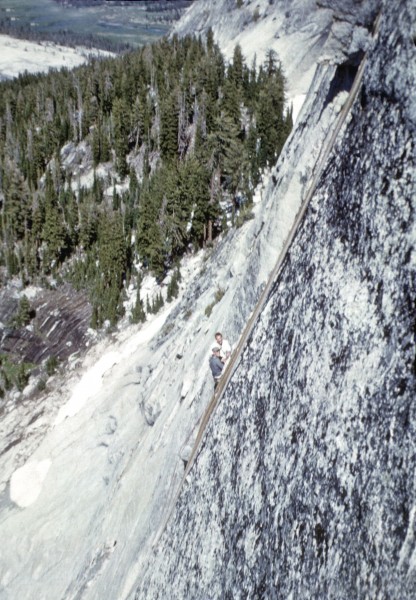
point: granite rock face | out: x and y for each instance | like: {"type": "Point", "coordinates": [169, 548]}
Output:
{"type": "Point", "coordinates": [304, 486]}
{"type": "Point", "coordinates": [302, 32]}
{"type": "Point", "coordinates": [58, 329]}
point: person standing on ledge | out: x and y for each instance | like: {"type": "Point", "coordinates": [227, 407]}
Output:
{"type": "Point", "coordinates": [224, 346]}
{"type": "Point", "coordinates": [216, 365]}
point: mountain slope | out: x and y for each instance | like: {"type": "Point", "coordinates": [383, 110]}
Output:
{"type": "Point", "coordinates": [102, 463]}
{"type": "Point", "coordinates": [302, 32]}
{"type": "Point", "coordinates": [304, 487]}
{"type": "Point", "coordinates": [18, 56]}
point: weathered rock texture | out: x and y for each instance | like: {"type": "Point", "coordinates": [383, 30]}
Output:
{"type": "Point", "coordinates": [302, 32]}
{"type": "Point", "coordinates": [59, 327]}
{"type": "Point", "coordinates": [305, 483]}
{"type": "Point", "coordinates": [303, 488]}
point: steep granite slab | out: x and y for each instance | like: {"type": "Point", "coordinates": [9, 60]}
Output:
{"type": "Point", "coordinates": [304, 485]}
{"type": "Point", "coordinates": [81, 511]}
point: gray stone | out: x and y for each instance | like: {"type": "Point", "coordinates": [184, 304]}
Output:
{"type": "Point", "coordinates": [304, 485]}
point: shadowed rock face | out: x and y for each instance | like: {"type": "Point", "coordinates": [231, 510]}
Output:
{"type": "Point", "coordinates": [59, 328]}
{"type": "Point", "coordinates": [304, 487]}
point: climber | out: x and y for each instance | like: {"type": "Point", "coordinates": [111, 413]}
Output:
{"type": "Point", "coordinates": [224, 345]}
{"type": "Point", "coordinates": [216, 365]}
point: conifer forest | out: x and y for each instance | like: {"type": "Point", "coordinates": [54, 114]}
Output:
{"type": "Point", "coordinates": [185, 138]}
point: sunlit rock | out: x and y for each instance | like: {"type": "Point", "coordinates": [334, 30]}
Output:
{"type": "Point", "coordinates": [304, 484]}
{"type": "Point", "coordinates": [303, 487]}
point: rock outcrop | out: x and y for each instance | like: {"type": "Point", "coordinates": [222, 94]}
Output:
{"type": "Point", "coordinates": [304, 485]}
{"type": "Point", "coordinates": [59, 327]}
{"type": "Point", "coordinates": [302, 32]}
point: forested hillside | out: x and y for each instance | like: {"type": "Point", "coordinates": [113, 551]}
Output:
{"type": "Point", "coordinates": [183, 137]}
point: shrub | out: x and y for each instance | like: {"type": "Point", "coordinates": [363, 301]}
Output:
{"type": "Point", "coordinates": [25, 313]}
{"type": "Point", "coordinates": [22, 376]}
{"type": "Point", "coordinates": [41, 385]}
{"type": "Point", "coordinates": [14, 374]}
{"type": "Point", "coordinates": [244, 216]}
{"type": "Point", "coordinates": [51, 365]}
{"type": "Point", "coordinates": [208, 309]}
{"type": "Point", "coordinates": [219, 293]}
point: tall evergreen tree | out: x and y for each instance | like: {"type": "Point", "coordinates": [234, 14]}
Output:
{"type": "Point", "coordinates": [138, 314]}
{"type": "Point", "coordinates": [270, 115]}
{"type": "Point", "coordinates": [112, 250]}
{"type": "Point", "coordinates": [16, 212]}
{"type": "Point", "coordinates": [121, 134]}
{"type": "Point", "coordinates": [236, 69]}
{"type": "Point", "coordinates": [169, 127]}
{"type": "Point", "coordinates": [149, 239]}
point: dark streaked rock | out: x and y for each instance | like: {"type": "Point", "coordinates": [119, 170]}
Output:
{"type": "Point", "coordinates": [304, 486]}
{"type": "Point", "coordinates": [59, 329]}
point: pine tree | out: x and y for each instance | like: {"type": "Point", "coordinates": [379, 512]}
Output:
{"type": "Point", "coordinates": [116, 199]}
{"type": "Point", "coordinates": [169, 128]}
{"type": "Point", "coordinates": [112, 250]}
{"type": "Point", "coordinates": [12, 262]}
{"type": "Point", "coordinates": [236, 70]}
{"type": "Point", "coordinates": [210, 40]}
{"type": "Point", "coordinates": [173, 286]}
{"type": "Point", "coordinates": [70, 210]}
{"type": "Point", "coordinates": [175, 210]}
{"type": "Point", "coordinates": [157, 303]}
{"type": "Point", "coordinates": [22, 377]}
{"type": "Point", "coordinates": [288, 124]}
{"type": "Point", "coordinates": [54, 236]}
{"type": "Point", "coordinates": [54, 233]}
{"type": "Point", "coordinates": [228, 153]}
{"type": "Point", "coordinates": [97, 189]}
{"type": "Point", "coordinates": [121, 133]}
{"type": "Point", "coordinates": [149, 236]}
{"type": "Point", "coordinates": [231, 101]}
{"type": "Point", "coordinates": [16, 210]}
{"type": "Point", "coordinates": [270, 117]}
{"type": "Point", "coordinates": [96, 144]}
{"type": "Point", "coordinates": [133, 188]}
{"type": "Point", "coordinates": [30, 257]}
{"type": "Point", "coordinates": [252, 156]}
{"type": "Point", "coordinates": [94, 323]}
{"type": "Point", "coordinates": [88, 226]}
{"type": "Point", "coordinates": [25, 312]}
{"type": "Point", "coordinates": [138, 314]}
{"type": "Point", "coordinates": [203, 210]}
{"type": "Point", "coordinates": [161, 302]}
